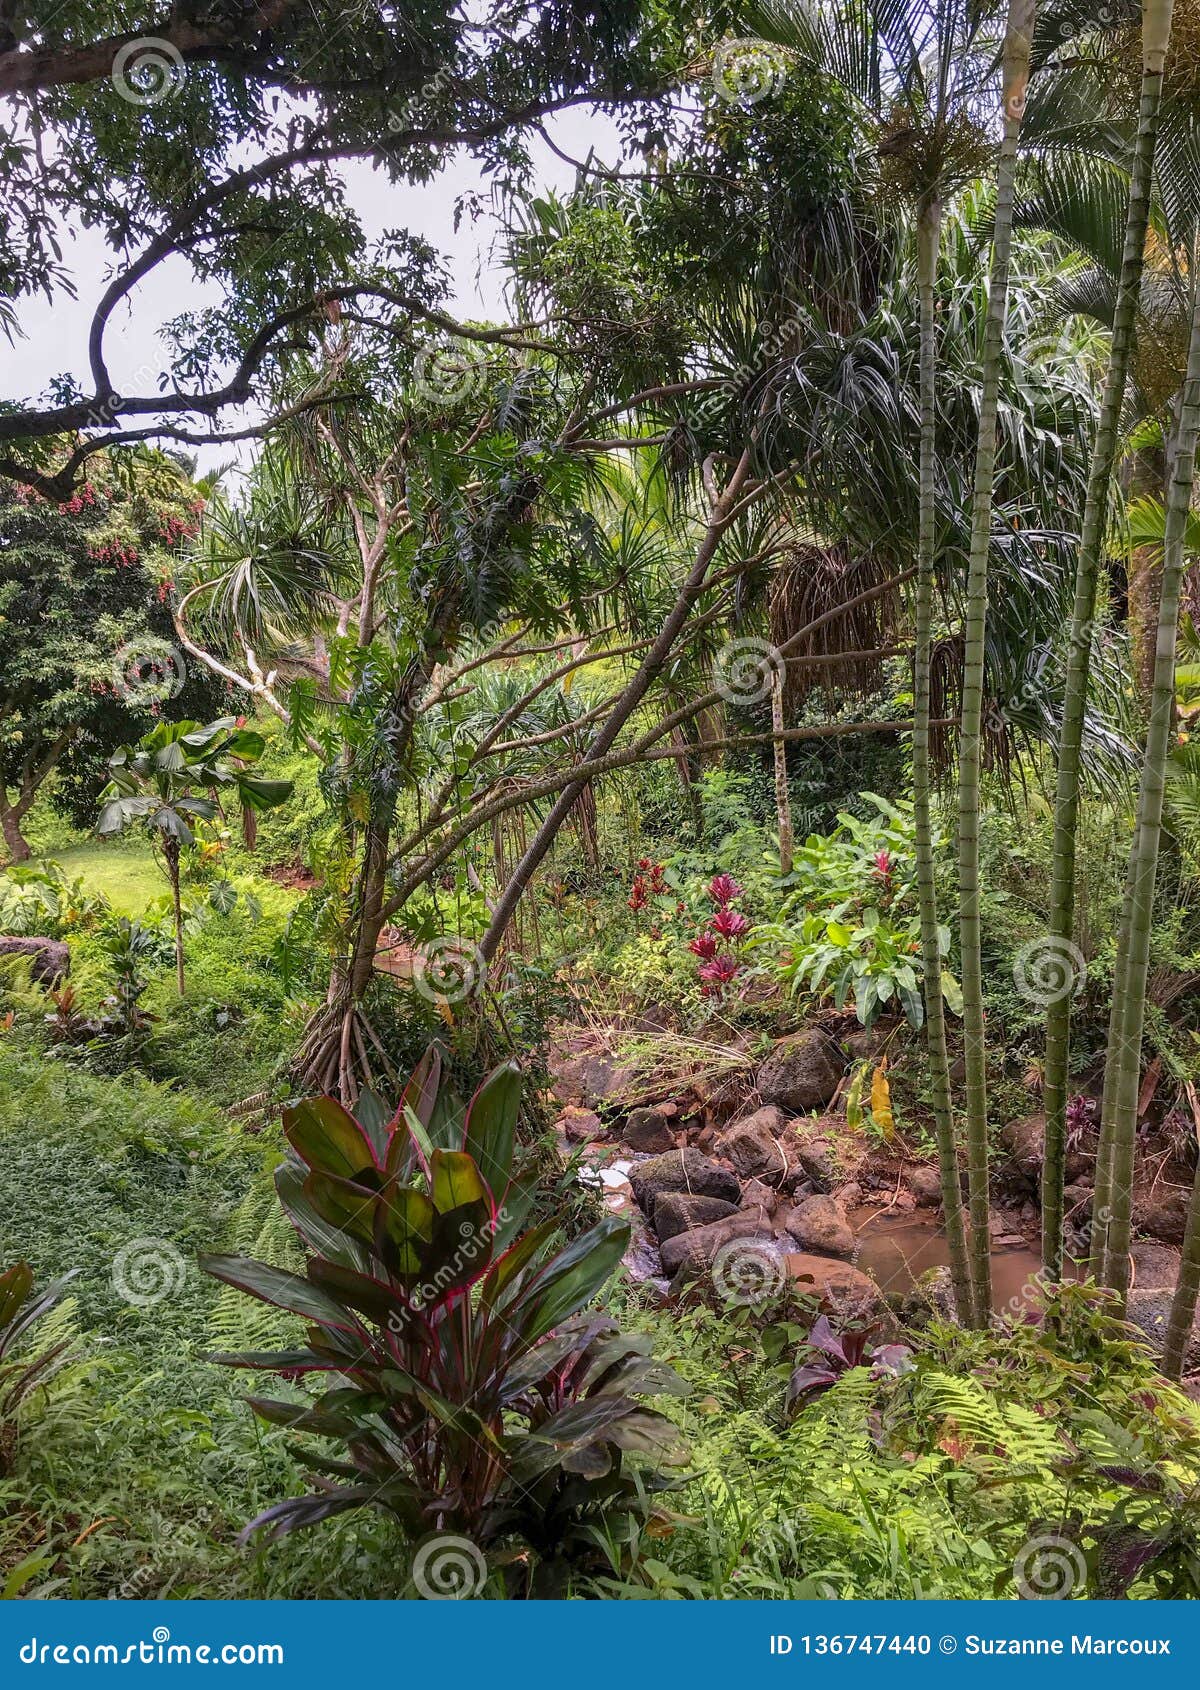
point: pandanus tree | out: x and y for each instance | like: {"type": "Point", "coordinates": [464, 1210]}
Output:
{"type": "Point", "coordinates": [177, 776]}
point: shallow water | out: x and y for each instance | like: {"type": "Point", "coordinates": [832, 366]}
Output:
{"type": "Point", "coordinates": [897, 1249]}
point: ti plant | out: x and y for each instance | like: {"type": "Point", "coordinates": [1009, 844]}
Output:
{"type": "Point", "coordinates": [463, 1387]}
{"type": "Point", "coordinates": [21, 1307]}
{"type": "Point", "coordinates": [176, 776]}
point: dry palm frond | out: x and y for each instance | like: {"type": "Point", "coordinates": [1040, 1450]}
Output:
{"type": "Point", "coordinates": [811, 581]}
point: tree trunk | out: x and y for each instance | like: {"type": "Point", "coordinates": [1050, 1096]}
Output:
{"type": "Point", "coordinates": [929, 226]}
{"type": "Point", "coordinates": [171, 853]}
{"type": "Point", "coordinates": [1183, 1304]}
{"type": "Point", "coordinates": [1156, 31]}
{"type": "Point", "coordinates": [1123, 1068]}
{"type": "Point", "coordinates": [651, 667]}
{"type": "Point", "coordinates": [10, 820]}
{"type": "Point", "coordinates": [783, 796]}
{"type": "Point", "coordinates": [1015, 80]}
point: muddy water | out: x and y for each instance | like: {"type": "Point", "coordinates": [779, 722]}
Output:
{"type": "Point", "coordinates": [897, 1249]}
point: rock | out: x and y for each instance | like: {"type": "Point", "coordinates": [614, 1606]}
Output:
{"type": "Point", "coordinates": [865, 1043]}
{"type": "Point", "coordinates": [698, 1246]}
{"type": "Point", "coordinates": [1150, 1311]}
{"type": "Point", "coordinates": [683, 1170]}
{"type": "Point", "coordinates": [1155, 1267]}
{"type": "Point", "coordinates": [1024, 1140]}
{"type": "Point", "coordinates": [819, 1224]}
{"type": "Point", "coordinates": [592, 1078]}
{"type": "Point", "coordinates": [49, 959]}
{"type": "Point", "coordinates": [756, 1194]}
{"type": "Point", "coordinates": [580, 1126]}
{"type": "Point", "coordinates": [681, 1211]}
{"type": "Point", "coordinates": [850, 1195]}
{"type": "Point", "coordinates": [843, 1290]}
{"type": "Point", "coordinates": [801, 1074]}
{"type": "Point", "coordinates": [816, 1158]}
{"type": "Point", "coordinates": [724, 1100]}
{"type": "Point", "coordinates": [926, 1186]}
{"type": "Point", "coordinates": [647, 1129]}
{"type": "Point", "coordinates": [755, 1149]}
{"type": "Point", "coordinates": [1163, 1213]}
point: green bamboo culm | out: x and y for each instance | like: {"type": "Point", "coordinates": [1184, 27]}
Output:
{"type": "Point", "coordinates": [1015, 80]}
{"type": "Point", "coordinates": [1183, 1304]}
{"type": "Point", "coordinates": [929, 228]}
{"type": "Point", "coordinates": [1156, 35]}
{"type": "Point", "coordinates": [1123, 1069]}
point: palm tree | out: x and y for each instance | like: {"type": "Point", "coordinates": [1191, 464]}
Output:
{"type": "Point", "coordinates": [1018, 43]}
{"type": "Point", "coordinates": [1156, 34]}
{"type": "Point", "coordinates": [174, 777]}
{"type": "Point", "coordinates": [918, 72]}
{"type": "Point", "coordinates": [1123, 1068]}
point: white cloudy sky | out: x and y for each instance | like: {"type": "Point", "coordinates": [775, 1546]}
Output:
{"type": "Point", "coordinates": [54, 337]}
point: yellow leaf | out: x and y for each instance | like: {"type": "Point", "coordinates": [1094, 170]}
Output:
{"type": "Point", "coordinates": [881, 1100]}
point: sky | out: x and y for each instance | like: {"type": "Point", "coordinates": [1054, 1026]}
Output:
{"type": "Point", "coordinates": [55, 333]}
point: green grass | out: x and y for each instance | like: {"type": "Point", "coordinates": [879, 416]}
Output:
{"type": "Point", "coordinates": [125, 872]}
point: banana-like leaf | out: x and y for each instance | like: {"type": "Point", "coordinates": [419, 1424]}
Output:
{"type": "Point", "coordinates": [284, 1290]}
{"type": "Point", "coordinates": [329, 1139]}
{"type": "Point", "coordinates": [491, 1125]}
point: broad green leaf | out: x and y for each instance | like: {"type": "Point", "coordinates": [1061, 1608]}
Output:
{"type": "Point", "coordinates": [492, 1125]}
{"type": "Point", "coordinates": [285, 1290]}
{"type": "Point", "coordinates": [329, 1138]}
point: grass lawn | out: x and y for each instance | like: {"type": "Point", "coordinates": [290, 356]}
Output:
{"type": "Point", "coordinates": [126, 873]}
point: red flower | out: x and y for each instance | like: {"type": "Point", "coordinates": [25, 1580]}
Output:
{"type": "Point", "coordinates": [729, 924]}
{"type": "Point", "coordinates": [705, 946]}
{"type": "Point", "coordinates": [720, 971]}
{"type": "Point", "coordinates": [883, 864]}
{"type": "Point", "coordinates": [637, 897]}
{"type": "Point", "coordinates": [723, 889]}
{"type": "Point", "coordinates": [644, 864]}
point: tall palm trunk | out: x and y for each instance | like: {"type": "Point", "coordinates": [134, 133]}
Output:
{"type": "Point", "coordinates": [1156, 34]}
{"type": "Point", "coordinates": [929, 226]}
{"type": "Point", "coordinates": [1183, 1304]}
{"type": "Point", "coordinates": [1017, 45]}
{"type": "Point", "coordinates": [1123, 1069]}
{"type": "Point", "coordinates": [171, 853]}
{"type": "Point", "coordinates": [783, 796]}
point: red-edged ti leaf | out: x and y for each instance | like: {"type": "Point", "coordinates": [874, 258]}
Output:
{"type": "Point", "coordinates": [282, 1289]}
{"type": "Point", "coordinates": [330, 1140]}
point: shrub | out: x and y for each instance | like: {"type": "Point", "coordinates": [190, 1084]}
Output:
{"type": "Point", "coordinates": [469, 1393]}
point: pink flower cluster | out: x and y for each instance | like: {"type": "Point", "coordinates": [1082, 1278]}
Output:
{"type": "Point", "coordinates": [718, 965]}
